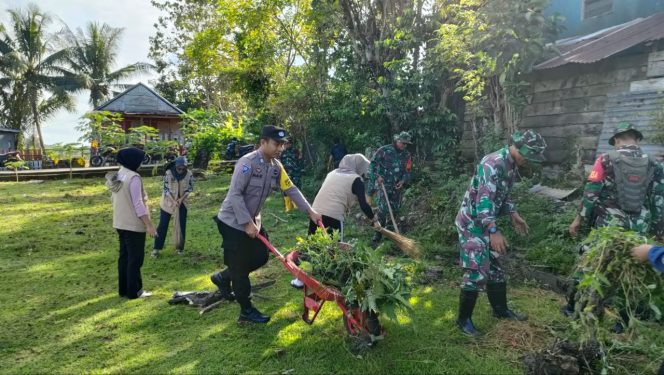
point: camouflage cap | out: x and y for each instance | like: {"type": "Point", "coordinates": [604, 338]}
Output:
{"type": "Point", "coordinates": [403, 137]}
{"type": "Point", "coordinates": [530, 144]}
{"type": "Point", "coordinates": [624, 127]}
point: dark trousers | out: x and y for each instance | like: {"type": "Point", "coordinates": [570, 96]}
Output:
{"type": "Point", "coordinates": [132, 252]}
{"type": "Point", "coordinates": [242, 255]}
{"type": "Point", "coordinates": [329, 224]}
{"type": "Point", "coordinates": [162, 229]}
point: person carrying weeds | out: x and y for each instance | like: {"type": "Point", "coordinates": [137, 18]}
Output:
{"type": "Point", "coordinates": [178, 184]}
{"type": "Point", "coordinates": [131, 219]}
{"type": "Point", "coordinates": [389, 170]}
{"type": "Point", "coordinates": [654, 255]}
{"type": "Point", "coordinates": [624, 188]}
{"type": "Point", "coordinates": [481, 241]}
{"type": "Point", "coordinates": [255, 176]}
{"type": "Point", "coordinates": [342, 189]}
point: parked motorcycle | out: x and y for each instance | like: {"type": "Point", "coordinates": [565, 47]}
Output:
{"type": "Point", "coordinates": [235, 151]}
{"type": "Point", "coordinates": [104, 156]}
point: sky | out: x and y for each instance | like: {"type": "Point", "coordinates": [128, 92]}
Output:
{"type": "Point", "coordinates": [137, 17]}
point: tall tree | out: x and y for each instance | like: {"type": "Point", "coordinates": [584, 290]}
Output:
{"type": "Point", "coordinates": [32, 75]}
{"type": "Point", "coordinates": [91, 55]}
{"type": "Point", "coordinates": [389, 39]}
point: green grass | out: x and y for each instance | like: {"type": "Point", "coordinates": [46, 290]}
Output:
{"type": "Point", "coordinates": [61, 313]}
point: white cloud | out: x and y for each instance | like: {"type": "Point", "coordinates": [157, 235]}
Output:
{"type": "Point", "coordinates": [137, 17]}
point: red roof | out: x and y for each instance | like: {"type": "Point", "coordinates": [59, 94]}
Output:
{"type": "Point", "coordinates": [604, 43]}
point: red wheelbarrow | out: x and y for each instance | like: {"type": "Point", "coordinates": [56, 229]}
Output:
{"type": "Point", "coordinates": [356, 321]}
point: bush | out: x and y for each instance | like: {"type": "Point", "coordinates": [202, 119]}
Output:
{"type": "Point", "coordinates": [78, 162]}
{"type": "Point", "coordinates": [432, 203]}
{"type": "Point", "coordinates": [209, 132]}
{"type": "Point", "coordinates": [548, 242]}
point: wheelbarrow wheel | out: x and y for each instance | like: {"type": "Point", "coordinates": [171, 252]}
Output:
{"type": "Point", "coordinates": [370, 325]}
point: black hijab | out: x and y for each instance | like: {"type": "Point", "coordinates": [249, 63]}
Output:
{"type": "Point", "coordinates": [131, 158]}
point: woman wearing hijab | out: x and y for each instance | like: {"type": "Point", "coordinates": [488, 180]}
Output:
{"type": "Point", "coordinates": [178, 183]}
{"type": "Point", "coordinates": [342, 189]}
{"type": "Point", "coordinates": [131, 219]}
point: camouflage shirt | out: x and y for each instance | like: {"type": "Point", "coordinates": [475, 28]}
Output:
{"type": "Point", "coordinates": [488, 195]}
{"type": "Point", "coordinates": [391, 164]}
{"type": "Point", "coordinates": [291, 163]}
{"type": "Point", "coordinates": [600, 195]}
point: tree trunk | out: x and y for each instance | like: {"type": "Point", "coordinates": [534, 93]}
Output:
{"type": "Point", "coordinates": [35, 117]}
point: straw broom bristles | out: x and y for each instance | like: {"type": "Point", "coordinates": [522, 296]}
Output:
{"type": "Point", "coordinates": [408, 246]}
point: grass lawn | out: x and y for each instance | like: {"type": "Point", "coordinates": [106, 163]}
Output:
{"type": "Point", "coordinates": [61, 312]}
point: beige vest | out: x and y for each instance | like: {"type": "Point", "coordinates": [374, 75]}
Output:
{"type": "Point", "coordinates": [167, 202]}
{"type": "Point", "coordinates": [124, 214]}
{"type": "Point", "coordinates": [336, 197]}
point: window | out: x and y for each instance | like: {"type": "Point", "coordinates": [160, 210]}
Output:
{"type": "Point", "coordinates": [595, 8]}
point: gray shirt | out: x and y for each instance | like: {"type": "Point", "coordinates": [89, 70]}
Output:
{"type": "Point", "coordinates": [252, 181]}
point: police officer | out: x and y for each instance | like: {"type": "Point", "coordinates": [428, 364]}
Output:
{"type": "Point", "coordinates": [624, 188]}
{"type": "Point", "coordinates": [488, 197]}
{"type": "Point", "coordinates": [390, 167]}
{"type": "Point", "coordinates": [256, 175]}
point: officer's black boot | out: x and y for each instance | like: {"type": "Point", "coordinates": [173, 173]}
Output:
{"type": "Point", "coordinates": [224, 286]}
{"type": "Point", "coordinates": [467, 301]}
{"type": "Point", "coordinates": [250, 314]}
{"type": "Point", "coordinates": [497, 293]}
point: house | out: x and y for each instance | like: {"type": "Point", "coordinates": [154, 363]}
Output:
{"type": "Point", "coordinates": [140, 105]}
{"type": "Point", "coordinates": [587, 16]}
{"type": "Point", "coordinates": [610, 74]}
{"type": "Point", "coordinates": [8, 140]}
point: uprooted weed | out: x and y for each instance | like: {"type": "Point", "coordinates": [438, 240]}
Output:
{"type": "Point", "coordinates": [361, 273]}
{"type": "Point", "coordinates": [616, 285]}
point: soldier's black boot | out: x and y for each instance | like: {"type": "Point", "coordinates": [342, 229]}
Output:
{"type": "Point", "coordinates": [568, 309]}
{"type": "Point", "coordinates": [619, 326]}
{"type": "Point", "coordinates": [497, 293]}
{"type": "Point", "coordinates": [375, 241]}
{"type": "Point", "coordinates": [464, 321]}
{"type": "Point", "coordinates": [224, 286]}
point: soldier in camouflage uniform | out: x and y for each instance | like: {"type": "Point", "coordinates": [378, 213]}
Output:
{"type": "Point", "coordinates": [390, 166]}
{"type": "Point", "coordinates": [488, 197]}
{"type": "Point", "coordinates": [624, 188]}
{"type": "Point", "coordinates": [293, 164]}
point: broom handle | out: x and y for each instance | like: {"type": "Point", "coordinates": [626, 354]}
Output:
{"type": "Point", "coordinates": [389, 207]}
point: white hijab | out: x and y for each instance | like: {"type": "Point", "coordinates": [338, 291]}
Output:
{"type": "Point", "coordinates": [355, 164]}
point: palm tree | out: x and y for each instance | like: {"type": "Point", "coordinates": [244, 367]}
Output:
{"type": "Point", "coordinates": [30, 69]}
{"type": "Point", "coordinates": [91, 56]}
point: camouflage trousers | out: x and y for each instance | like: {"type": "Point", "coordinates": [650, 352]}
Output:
{"type": "Point", "coordinates": [479, 265]}
{"type": "Point", "coordinates": [606, 216]}
{"type": "Point", "coordinates": [383, 209]}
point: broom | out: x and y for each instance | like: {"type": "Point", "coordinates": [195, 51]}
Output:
{"type": "Point", "coordinates": [408, 246]}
